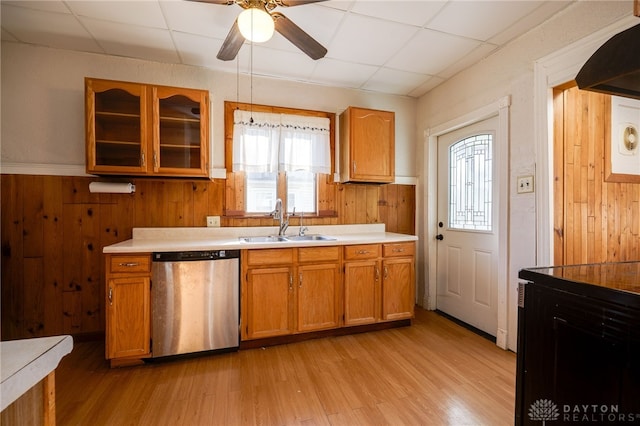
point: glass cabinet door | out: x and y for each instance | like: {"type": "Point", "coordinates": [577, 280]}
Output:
{"type": "Point", "coordinates": [181, 130]}
{"type": "Point", "coordinates": [116, 123]}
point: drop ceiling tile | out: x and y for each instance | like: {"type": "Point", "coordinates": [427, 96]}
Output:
{"type": "Point", "coordinates": [338, 4]}
{"type": "Point", "coordinates": [209, 20]}
{"type": "Point", "coordinates": [369, 41]}
{"type": "Point", "coordinates": [342, 74]}
{"type": "Point", "coordinates": [480, 20]}
{"type": "Point", "coordinates": [529, 21]}
{"type": "Point", "coordinates": [132, 41]}
{"type": "Point", "coordinates": [404, 11]}
{"type": "Point", "coordinates": [45, 6]}
{"type": "Point", "coordinates": [197, 50]}
{"type": "Point", "coordinates": [47, 29]}
{"type": "Point", "coordinates": [429, 84]}
{"type": "Point", "coordinates": [475, 56]}
{"type": "Point", "coordinates": [6, 36]}
{"type": "Point", "coordinates": [430, 52]}
{"type": "Point", "coordinates": [279, 63]}
{"type": "Point", "coordinates": [387, 80]}
{"type": "Point", "coordinates": [140, 13]}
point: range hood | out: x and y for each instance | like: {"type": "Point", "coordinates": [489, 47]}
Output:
{"type": "Point", "coordinates": [614, 68]}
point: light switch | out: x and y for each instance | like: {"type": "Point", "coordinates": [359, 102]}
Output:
{"type": "Point", "coordinates": [525, 184]}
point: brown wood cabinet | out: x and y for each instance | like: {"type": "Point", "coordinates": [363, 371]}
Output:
{"type": "Point", "coordinates": [361, 284]}
{"type": "Point", "coordinates": [367, 145]}
{"type": "Point", "coordinates": [267, 293]}
{"type": "Point", "coordinates": [398, 281]}
{"type": "Point", "coordinates": [128, 308]}
{"type": "Point", "coordinates": [319, 292]}
{"type": "Point", "coordinates": [141, 129]}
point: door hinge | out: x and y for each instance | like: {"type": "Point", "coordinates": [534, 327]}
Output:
{"type": "Point", "coordinates": [521, 290]}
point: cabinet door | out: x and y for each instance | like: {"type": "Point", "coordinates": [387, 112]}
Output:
{"type": "Point", "coordinates": [398, 295]}
{"type": "Point", "coordinates": [361, 292]}
{"type": "Point", "coordinates": [180, 131]}
{"type": "Point", "coordinates": [128, 317]}
{"type": "Point", "coordinates": [269, 300]}
{"type": "Point", "coordinates": [318, 297]}
{"type": "Point", "coordinates": [116, 127]}
{"type": "Point", "coordinates": [372, 145]}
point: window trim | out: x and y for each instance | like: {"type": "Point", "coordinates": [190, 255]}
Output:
{"type": "Point", "coordinates": [232, 209]}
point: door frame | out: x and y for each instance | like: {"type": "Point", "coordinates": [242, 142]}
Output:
{"type": "Point", "coordinates": [499, 108]}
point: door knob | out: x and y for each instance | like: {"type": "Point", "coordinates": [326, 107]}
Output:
{"type": "Point", "coordinates": [440, 237]}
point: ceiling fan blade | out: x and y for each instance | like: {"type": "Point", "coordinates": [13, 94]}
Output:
{"type": "Point", "coordinates": [290, 3]}
{"type": "Point", "coordinates": [232, 44]}
{"type": "Point", "coordinates": [298, 37]}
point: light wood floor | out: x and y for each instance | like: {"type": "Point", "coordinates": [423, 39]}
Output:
{"type": "Point", "coordinates": [431, 373]}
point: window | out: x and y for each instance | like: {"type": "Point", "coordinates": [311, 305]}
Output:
{"type": "Point", "coordinates": [279, 155]}
{"type": "Point", "coordinates": [470, 183]}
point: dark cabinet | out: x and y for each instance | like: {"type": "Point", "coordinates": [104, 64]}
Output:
{"type": "Point", "coordinates": [578, 356]}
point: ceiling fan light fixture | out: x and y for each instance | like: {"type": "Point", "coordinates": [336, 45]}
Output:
{"type": "Point", "coordinates": [256, 25]}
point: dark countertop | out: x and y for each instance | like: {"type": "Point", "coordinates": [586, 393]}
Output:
{"type": "Point", "coordinates": [617, 282]}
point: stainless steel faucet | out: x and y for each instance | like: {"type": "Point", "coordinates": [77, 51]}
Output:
{"type": "Point", "coordinates": [278, 214]}
{"type": "Point", "coordinates": [302, 228]}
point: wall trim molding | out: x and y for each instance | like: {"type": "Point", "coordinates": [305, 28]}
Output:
{"type": "Point", "coordinates": [11, 168]}
{"type": "Point", "coordinates": [550, 71]}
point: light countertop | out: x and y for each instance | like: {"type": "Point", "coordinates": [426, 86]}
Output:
{"type": "Point", "coordinates": [25, 362]}
{"type": "Point", "coordinates": [148, 240]}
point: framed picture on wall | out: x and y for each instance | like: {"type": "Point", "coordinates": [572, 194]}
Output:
{"type": "Point", "coordinates": [622, 152]}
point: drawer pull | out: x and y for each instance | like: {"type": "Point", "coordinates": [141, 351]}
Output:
{"type": "Point", "coordinates": [398, 250]}
{"type": "Point", "coordinates": [363, 251]}
{"type": "Point", "coordinates": [129, 264]}
{"type": "Point", "coordinates": [110, 295]}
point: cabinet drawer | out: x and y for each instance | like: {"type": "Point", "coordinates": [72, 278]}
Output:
{"type": "Point", "coordinates": [129, 263]}
{"type": "Point", "coordinates": [269, 257]}
{"type": "Point", "coordinates": [398, 249]}
{"type": "Point", "coordinates": [362, 251]}
{"type": "Point", "coordinates": [315, 254]}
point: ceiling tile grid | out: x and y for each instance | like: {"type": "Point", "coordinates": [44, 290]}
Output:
{"type": "Point", "coordinates": [401, 47]}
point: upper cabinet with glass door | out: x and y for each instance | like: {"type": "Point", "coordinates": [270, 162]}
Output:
{"type": "Point", "coordinates": [140, 129]}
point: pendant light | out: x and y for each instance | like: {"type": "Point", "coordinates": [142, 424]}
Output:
{"type": "Point", "coordinates": [256, 25]}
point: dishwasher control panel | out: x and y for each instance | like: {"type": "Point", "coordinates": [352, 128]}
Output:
{"type": "Point", "coordinates": [185, 256]}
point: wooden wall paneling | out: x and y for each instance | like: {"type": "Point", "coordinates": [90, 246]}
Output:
{"type": "Point", "coordinates": [32, 215]}
{"type": "Point", "coordinates": [371, 204]}
{"type": "Point", "coordinates": [599, 222]}
{"type": "Point", "coordinates": [53, 271]}
{"type": "Point", "coordinates": [391, 205]}
{"type": "Point", "coordinates": [33, 297]}
{"type": "Point", "coordinates": [198, 192]}
{"type": "Point", "coordinates": [12, 195]}
{"type": "Point", "coordinates": [348, 205]}
{"type": "Point", "coordinates": [383, 213]}
{"type": "Point", "coordinates": [405, 209]}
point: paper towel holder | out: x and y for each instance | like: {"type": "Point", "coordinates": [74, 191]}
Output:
{"type": "Point", "coordinates": [112, 187]}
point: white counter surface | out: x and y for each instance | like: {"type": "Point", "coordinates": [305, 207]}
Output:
{"type": "Point", "coordinates": [25, 362]}
{"type": "Point", "coordinates": [148, 240]}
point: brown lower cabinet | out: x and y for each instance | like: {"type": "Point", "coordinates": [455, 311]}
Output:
{"type": "Point", "coordinates": [284, 291]}
{"type": "Point", "coordinates": [128, 307]}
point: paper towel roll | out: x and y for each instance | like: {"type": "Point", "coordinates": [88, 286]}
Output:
{"type": "Point", "coordinates": [112, 187]}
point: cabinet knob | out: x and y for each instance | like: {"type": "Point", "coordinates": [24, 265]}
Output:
{"type": "Point", "coordinates": [439, 237]}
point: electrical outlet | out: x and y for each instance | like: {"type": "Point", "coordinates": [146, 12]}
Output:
{"type": "Point", "coordinates": [525, 184]}
{"type": "Point", "coordinates": [213, 221]}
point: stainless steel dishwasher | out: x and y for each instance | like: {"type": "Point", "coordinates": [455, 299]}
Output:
{"type": "Point", "coordinates": [195, 298]}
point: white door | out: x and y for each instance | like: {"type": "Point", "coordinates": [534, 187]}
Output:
{"type": "Point", "coordinates": [467, 253]}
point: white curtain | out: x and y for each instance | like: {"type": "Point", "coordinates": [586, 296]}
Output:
{"type": "Point", "coordinates": [265, 142]}
{"type": "Point", "coordinates": [304, 144]}
{"type": "Point", "coordinates": [255, 141]}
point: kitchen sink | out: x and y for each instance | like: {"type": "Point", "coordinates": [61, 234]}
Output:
{"type": "Point", "coordinates": [267, 239]}
{"type": "Point", "coordinates": [283, 238]}
{"type": "Point", "coordinates": [310, 238]}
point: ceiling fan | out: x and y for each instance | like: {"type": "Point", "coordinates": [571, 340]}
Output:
{"type": "Point", "coordinates": [281, 23]}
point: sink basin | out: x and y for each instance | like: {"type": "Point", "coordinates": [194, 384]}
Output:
{"type": "Point", "coordinates": [283, 238]}
{"type": "Point", "coordinates": [310, 238]}
{"type": "Point", "coordinates": [267, 239]}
